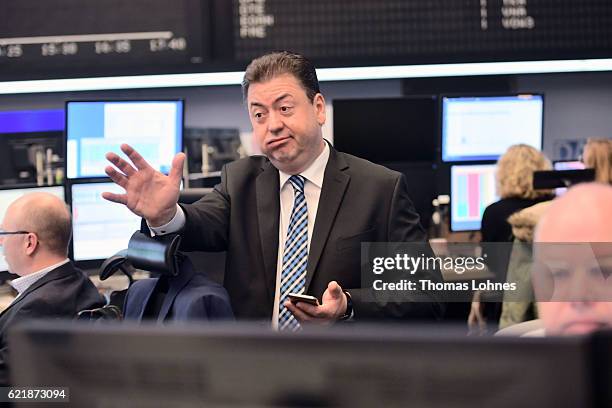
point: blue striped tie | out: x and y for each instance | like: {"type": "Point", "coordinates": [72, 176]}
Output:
{"type": "Point", "coordinates": [295, 255]}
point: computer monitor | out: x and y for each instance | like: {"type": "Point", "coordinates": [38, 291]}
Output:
{"type": "Point", "coordinates": [29, 121]}
{"type": "Point", "coordinates": [100, 228]}
{"type": "Point", "coordinates": [8, 196]}
{"type": "Point", "coordinates": [363, 366]}
{"type": "Point", "coordinates": [389, 130]}
{"type": "Point", "coordinates": [568, 165]}
{"type": "Point", "coordinates": [548, 179]}
{"type": "Point", "coordinates": [483, 127]}
{"type": "Point", "coordinates": [24, 135]}
{"type": "Point", "coordinates": [472, 190]}
{"type": "Point", "coordinates": [93, 128]}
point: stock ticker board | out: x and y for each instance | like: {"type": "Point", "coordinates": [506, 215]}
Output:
{"type": "Point", "coordinates": [421, 31]}
{"type": "Point", "coordinates": [62, 38]}
{"type": "Point", "coordinates": [68, 38]}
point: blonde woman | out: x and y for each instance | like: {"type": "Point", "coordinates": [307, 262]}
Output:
{"type": "Point", "coordinates": [597, 154]}
{"type": "Point", "coordinates": [515, 187]}
{"type": "Point", "coordinates": [514, 178]}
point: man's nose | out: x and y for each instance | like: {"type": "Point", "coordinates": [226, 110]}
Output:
{"type": "Point", "coordinates": [275, 123]}
{"type": "Point", "coordinates": [584, 288]}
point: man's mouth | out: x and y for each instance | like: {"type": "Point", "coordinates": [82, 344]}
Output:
{"type": "Point", "coordinates": [582, 327]}
{"type": "Point", "coordinates": [277, 141]}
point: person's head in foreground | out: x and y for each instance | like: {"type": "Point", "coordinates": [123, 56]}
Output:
{"type": "Point", "coordinates": [36, 230]}
{"type": "Point", "coordinates": [573, 261]}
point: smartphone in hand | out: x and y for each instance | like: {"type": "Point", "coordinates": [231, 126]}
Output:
{"type": "Point", "coordinates": [295, 298]}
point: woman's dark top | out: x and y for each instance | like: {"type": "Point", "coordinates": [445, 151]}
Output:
{"type": "Point", "coordinates": [495, 227]}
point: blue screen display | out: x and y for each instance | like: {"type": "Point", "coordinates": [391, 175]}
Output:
{"type": "Point", "coordinates": [153, 128]}
{"type": "Point", "coordinates": [32, 121]}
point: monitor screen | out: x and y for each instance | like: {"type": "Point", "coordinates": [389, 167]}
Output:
{"type": "Point", "coordinates": [393, 130]}
{"type": "Point", "coordinates": [569, 165]}
{"type": "Point", "coordinates": [100, 228]}
{"type": "Point", "coordinates": [32, 121]}
{"type": "Point", "coordinates": [482, 128]}
{"type": "Point", "coordinates": [8, 196]}
{"type": "Point", "coordinates": [153, 128]}
{"type": "Point", "coordinates": [472, 190]}
{"type": "Point", "coordinates": [25, 139]}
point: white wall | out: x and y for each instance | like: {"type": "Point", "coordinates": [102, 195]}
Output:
{"type": "Point", "coordinates": [577, 105]}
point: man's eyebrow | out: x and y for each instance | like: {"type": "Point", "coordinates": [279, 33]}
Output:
{"type": "Point", "coordinates": [280, 98]}
{"type": "Point", "coordinates": [283, 96]}
{"type": "Point", "coordinates": [256, 104]}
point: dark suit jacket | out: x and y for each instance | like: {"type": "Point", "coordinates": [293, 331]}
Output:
{"type": "Point", "coordinates": [61, 293]}
{"type": "Point", "coordinates": [360, 202]}
{"type": "Point", "coordinates": [190, 296]}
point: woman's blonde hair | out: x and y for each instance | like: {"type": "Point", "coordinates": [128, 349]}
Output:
{"type": "Point", "coordinates": [515, 172]}
{"type": "Point", "coordinates": [597, 154]}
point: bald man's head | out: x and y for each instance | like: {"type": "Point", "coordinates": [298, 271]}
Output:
{"type": "Point", "coordinates": [573, 261]}
{"type": "Point", "coordinates": [45, 215]}
{"type": "Point", "coordinates": [583, 214]}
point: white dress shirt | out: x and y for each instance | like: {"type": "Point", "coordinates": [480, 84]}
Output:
{"type": "Point", "coordinates": [22, 283]}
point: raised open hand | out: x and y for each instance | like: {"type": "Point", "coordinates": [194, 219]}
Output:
{"type": "Point", "coordinates": [148, 193]}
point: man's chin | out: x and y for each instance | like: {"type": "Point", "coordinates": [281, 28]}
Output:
{"type": "Point", "coordinates": [284, 161]}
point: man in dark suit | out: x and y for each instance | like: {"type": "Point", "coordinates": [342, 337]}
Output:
{"type": "Point", "coordinates": [291, 221]}
{"type": "Point", "coordinates": [188, 296]}
{"type": "Point", "coordinates": [35, 234]}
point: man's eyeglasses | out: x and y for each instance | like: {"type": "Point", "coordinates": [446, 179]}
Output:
{"type": "Point", "coordinates": [2, 232]}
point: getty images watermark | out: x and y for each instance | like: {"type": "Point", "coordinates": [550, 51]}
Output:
{"type": "Point", "coordinates": [422, 272]}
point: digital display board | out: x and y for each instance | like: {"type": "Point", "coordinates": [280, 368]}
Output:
{"type": "Point", "coordinates": [75, 38]}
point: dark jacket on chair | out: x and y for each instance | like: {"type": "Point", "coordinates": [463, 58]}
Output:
{"type": "Point", "coordinates": [188, 296]}
{"type": "Point", "coordinates": [61, 293]}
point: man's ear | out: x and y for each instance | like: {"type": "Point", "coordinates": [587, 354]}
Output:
{"type": "Point", "coordinates": [31, 243]}
{"type": "Point", "coordinates": [319, 105]}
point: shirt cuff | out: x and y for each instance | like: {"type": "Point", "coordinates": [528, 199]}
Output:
{"type": "Point", "coordinates": [174, 225]}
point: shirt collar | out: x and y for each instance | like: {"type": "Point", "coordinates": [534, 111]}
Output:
{"type": "Point", "coordinates": [22, 283]}
{"type": "Point", "coordinates": [314, 173]}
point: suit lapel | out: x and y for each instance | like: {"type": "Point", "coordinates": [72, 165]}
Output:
{"type": "Point", "coordinates": [56, 273]}
{"type": "Point", "coordinates": [175, 285]}
{"type": "Point", "coordinates": [268, 210]}
{"type": "Point", "coordinates": [142, 303]}
{"type": "Point", "coordinates": [334, 186]}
